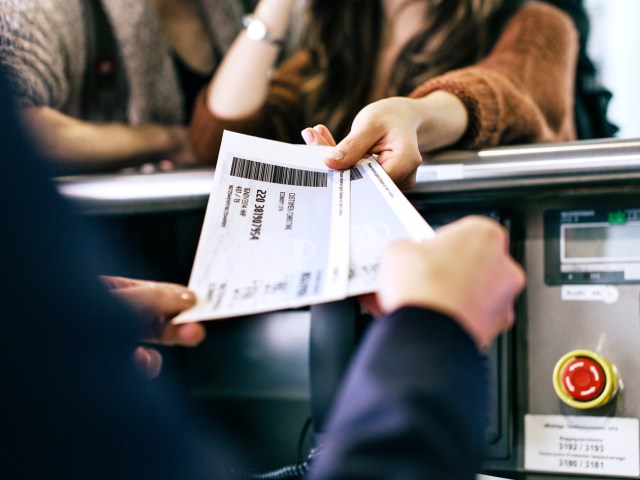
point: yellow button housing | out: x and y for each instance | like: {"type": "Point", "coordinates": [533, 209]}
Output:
{"type": "Point", "coordinates": [608, 390]}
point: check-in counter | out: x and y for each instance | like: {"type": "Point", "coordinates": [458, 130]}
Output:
{"type": "Point", "coordinates": [565, 384]}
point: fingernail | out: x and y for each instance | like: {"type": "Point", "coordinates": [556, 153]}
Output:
{"type": "Point", "coordinates": [336, 155]}
{"type": "Point", "coordinates": [308, 135]}
{"type": "Point", "coordinates": [188, 297]}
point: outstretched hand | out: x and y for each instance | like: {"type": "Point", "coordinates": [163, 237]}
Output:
{"type": "Point", "coordinates": [387, 130]}
{"type": "Point", "coordinates": [157, 303]}
{"type": "Point", "coordinates": [396, 130]}
{"type": "Point", "coordinates": [465, 271]}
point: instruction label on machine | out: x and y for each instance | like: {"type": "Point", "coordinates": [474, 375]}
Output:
{"type": "Point", "coordinates": [584, 445]}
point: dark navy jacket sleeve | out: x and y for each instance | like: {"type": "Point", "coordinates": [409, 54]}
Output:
{"type": "Point", "coordinates": [412, 406]}
{"type": "Point", "coordinates": [72, 405]}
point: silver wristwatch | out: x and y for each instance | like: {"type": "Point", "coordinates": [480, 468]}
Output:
{"type": "Point", "coordinates": [257, 30]}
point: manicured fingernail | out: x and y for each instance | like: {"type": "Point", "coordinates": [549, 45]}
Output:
{"type": "Point", "coordinates": [188, 297]}
{"type": "Point", "coordinates": [336, 155]}
{"type": "Point", "coordinates": [308, 135]}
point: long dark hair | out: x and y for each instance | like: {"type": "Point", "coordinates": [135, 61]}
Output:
{"type": "Point", "coordinates": [344, 40]}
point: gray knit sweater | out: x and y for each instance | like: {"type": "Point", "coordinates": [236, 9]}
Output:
{"type": "Point", "coordinates": [43, 49]}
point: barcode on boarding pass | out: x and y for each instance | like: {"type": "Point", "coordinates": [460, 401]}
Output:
{"type": "Point", "coordinates": [266, 172]}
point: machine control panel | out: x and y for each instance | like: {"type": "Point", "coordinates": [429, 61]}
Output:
{"type": "Point", "coordinates": [581, 411]}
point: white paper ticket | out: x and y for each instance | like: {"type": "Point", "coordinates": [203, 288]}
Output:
{"type": "Point", "coordinates": [380, 213]}
{"type": "Point", "coordinates": [275, 233]}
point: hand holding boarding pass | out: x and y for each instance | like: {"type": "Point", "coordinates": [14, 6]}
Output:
{"type": "Point", "coordinates": [283, 231]}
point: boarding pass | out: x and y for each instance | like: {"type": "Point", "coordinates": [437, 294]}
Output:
{"type": "Point", "coordinates": [282, 230]}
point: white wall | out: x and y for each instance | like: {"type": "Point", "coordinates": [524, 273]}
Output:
{"type": "Point", "coordinates": [615, 47]}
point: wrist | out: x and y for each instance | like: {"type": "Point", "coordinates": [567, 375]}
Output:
{"type": "Point", "coordinates": [457, 315]}
{"type": "Point", "coordinates": [276, 16]}
{"type": "Point", "coordinates": [438, 296]}
{"type": "Point", "coordinates": [257, 30]}
{"type": "Point", "coordinates": [441, 120]}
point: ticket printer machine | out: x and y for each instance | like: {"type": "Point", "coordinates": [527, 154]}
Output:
{"type": "Point", "coordinates": [566, 397]}
{"type": "Point", "coordinates": [566, 379]}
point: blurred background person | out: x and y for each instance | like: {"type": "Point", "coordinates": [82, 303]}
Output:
{"type": "Point", "coordinates": [106, 84]}
{"type": "Point", "coordinates": [403, 76]}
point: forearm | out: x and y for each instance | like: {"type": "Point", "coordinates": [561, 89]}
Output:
{"type": "Point", "coordinates": [279, 118]}
{"type": "Point", "coordinates": [83, 146]}
{"type": "Point", "coordinates": [441, 119]}
{"type": "Point", "coordinates": [240, 85]}
{"type": "Point", "coordinates": [417, 384]}
{"type": "Point", "coordinates": [523, 91]}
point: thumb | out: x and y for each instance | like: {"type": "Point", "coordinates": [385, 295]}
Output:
{"type": "Point", "coordinates": [352, 149]}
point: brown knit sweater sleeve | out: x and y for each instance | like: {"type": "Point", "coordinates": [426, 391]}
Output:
{"type": "Point", "coordinates": [523, 91]}
{"type": "Point", "coordinates": [279, 119]}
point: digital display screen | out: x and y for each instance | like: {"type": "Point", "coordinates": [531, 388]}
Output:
{"type": "Point", "coordinates": [592, 246]}
{"type": "Point", "coordinates": [601, 241]}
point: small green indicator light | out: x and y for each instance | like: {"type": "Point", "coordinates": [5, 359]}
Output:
{"type": "Point", "coordinates": [617, 217]}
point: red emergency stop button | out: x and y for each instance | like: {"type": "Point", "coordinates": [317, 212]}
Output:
{"type": "Point", "coordinates": [583, 378]}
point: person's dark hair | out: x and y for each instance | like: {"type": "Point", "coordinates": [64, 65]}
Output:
{"type": "Point", "coordinates": [344, 40]}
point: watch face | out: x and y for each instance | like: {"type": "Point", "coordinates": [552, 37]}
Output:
{"type": "Point", "coordinates": [256, 30]}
